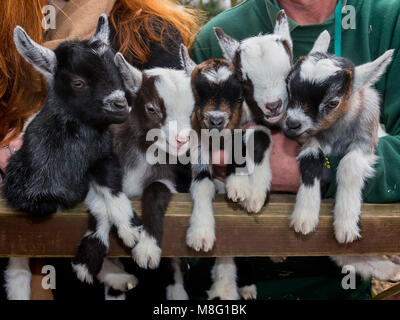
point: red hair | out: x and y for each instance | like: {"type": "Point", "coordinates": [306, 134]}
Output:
{"type": "Point", "coordinates": [17, 101]}
{"type": "Point", "coordinates": [136, 20]}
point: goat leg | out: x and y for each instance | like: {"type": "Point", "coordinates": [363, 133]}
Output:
{"type": "Point", "coordinates": [305, 215]}
{"type": "Point", "coordinates": [155, 201]}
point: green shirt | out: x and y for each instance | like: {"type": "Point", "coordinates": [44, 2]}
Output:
{"type": "Point", "coordinates": [377, 29]}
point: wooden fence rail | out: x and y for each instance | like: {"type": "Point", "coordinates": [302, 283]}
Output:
{"type": "Point", "coordinates": [238, 234]}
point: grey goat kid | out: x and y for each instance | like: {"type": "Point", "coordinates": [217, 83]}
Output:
{"type": "Point", "coordinates": [262, 64]}
{"type": "Point", "coordinates": [335, 111]}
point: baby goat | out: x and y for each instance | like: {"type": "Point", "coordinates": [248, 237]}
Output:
{"type": "Point", "coordinates": [218, 110]}
{"type": "Point", "coordinates": [335, 111]}
{"type": "Point", "coordinates": [262, 64]}
{"type": "Point", "coordinates": [67, 152]}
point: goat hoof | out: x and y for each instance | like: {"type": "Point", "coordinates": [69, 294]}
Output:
{"type": "Point", "coordinates": [176, 292]}
{"type": "Point", "coordinates": [346, 232]}
{"type": "Point", "coordinates": [248, 292]}
{"type": "Point", "coordinates": [302, 222]}
{"type": "Point", "coordinates": [147, 253]}
{"type": "Point", "coordinates": [237, 188]}
{"type": "Point", "coordinates": [130, 236]}
{"type": "Point", "coordinates": [122, 281]}
{"type": "Point", "coordinates": [200, 238]}
{"type": "Point", "coordinates": [254, 203]}
{"type": "Point", "coordinates": [82, 273]}
{"type": "Point", "coordinates": [223, 290]}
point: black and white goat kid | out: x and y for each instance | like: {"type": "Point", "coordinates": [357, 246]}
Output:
{"type": "Point", "coordinates": [158, 129]}
{"type": "Point", "coordinates": [334, 110]}
{"type": "Point", "coordinates": [67, 153]}
{"type": "Point", "coordinates": [262, 64]}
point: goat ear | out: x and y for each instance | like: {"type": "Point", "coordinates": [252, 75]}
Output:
{"type": "Point", "coordinates": [322, 43]}
{"type": "Point", "coordinates": [44, 60]}
{"type": "Point", "coordinates": [186, 62]}
{"type": "Point", "coordinates": [369, 73]}
{"type": "Point", "coordinates": [102, 31]}
{"type": "Point", "coordinates": [227, 44]}
{"type": "Point", "coordinates": [132, 77]}
{"type": "Point", "coordinates": [282, 28]}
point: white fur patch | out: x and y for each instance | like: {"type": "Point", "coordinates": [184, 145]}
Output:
{"type": "Point", "coordinates": [318, 71]}
{"type": "Point", "coordinates": [218, 76]}
{"type": "Point", "coordinates": [354, 168]}
{"type": "Point", "coordinates": [305, 215]}
{"type": "Point", "coordinates": [114, 276]}
{"type": "Point", "coordinates": [201, 232]}
{"type": "Point", "coordinates": [224, 276]}
{"type": "Point", "coordinates": [82, 273]}
{"type": "Point", "coordinates": [176, 292]}
{"type": "Point", "coordinates": [248, 292]}
{"type": "Point", "coordinates": [260, 179]}
{"type": "Point", "coordinates": [17, 278]}
{"type": "Point", "coordinates": [120, 213]}
{"type": "Point", "coordinates": [266, 63]}
{"type": "Point", "coordinates": [371, 266]}
{"type": "Point", "coordinates": [147, 253]}
{"type": "Point", "coordinates": [170, 85]}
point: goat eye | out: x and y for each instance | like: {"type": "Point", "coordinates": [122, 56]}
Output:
{"type": "Point", "coordinates": [332, 104]}
{"type": "Point", "coordinates": [78, 84]}
{"type": "Point", "coordinates": [150, 109]}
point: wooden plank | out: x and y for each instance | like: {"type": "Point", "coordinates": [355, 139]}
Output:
{"type": "Point", "coordinates": [238, 234]}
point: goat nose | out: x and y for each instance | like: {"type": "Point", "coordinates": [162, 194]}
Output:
{"type": "Point", "coordinates": [181, 141]}
{"type": "Point", "coordinates": [216, 122]}
{"type": "Point", "coordinates": [293, 124]}
{"type": "Point", "coordinates": [120, 104]}
{"type": "Point", "coordinates": [273, 106]}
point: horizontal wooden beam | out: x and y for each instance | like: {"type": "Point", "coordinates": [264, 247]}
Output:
{"type": "Point", "coordinates": [238, 234]}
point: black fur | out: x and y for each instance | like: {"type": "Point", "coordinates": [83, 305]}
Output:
{"type": "Point", "coordinates": [155, 201]}
{"type": "Point", "coordinates": [68, 137]}
{"type": "Point", "coordinates": [91, 253]}
{"type": "Point", "coordinates": [311, 167]}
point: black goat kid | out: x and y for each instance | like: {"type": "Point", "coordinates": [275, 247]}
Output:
{"type": "Point", "coordinates": [67, 152]}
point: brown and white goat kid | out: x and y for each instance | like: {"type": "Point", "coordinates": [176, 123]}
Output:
{"type": "Point", "coordinates": [217, 115]}
{"type": "Point", "coordinates": [157, 129]}
{"type": "Point", "coordinates": [218, 111]}
{"type": "Point", "coordinates": [262, 64]}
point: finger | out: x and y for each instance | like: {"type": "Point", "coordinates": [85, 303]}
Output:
{"type": "Point", "coordinates": [16, 145]}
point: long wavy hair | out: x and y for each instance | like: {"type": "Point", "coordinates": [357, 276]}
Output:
{"type": "Point", "coordinates": [17, 101]}
{"type": "Point", "coordinates": [137, 20]}
{"type": "Point", "coordinates": [135, 27]}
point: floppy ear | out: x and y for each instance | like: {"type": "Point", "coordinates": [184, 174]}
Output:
{"type": "Point", "coordinates": [322, 43]}
{"type": "Point", "coordinates": [282, 28]}
{"type": "Point", "coordinates": [131, 76]}
{"type": "Point", "coordinates": [186, 62]}
{"type": "Point", "coordinates": [44, 60]}
{"type": "Point", "coordinates": [369, 73]}
{"type": "Point", "coordinates": [102, 33]}
{"type": "Point", "coordinates": [227, 44]}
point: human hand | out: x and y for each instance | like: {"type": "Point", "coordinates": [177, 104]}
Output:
{"type": "Point", "coordinates": [285, 169]}
{"type": "Point", "coordinates": [7, 150]}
